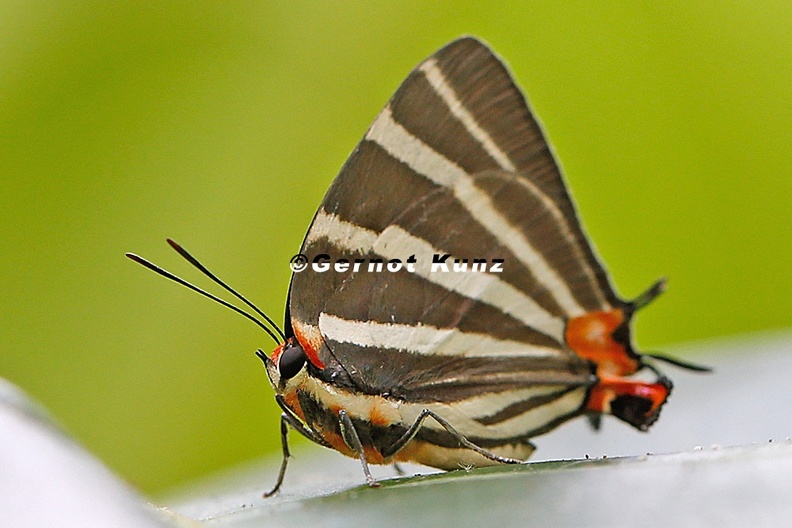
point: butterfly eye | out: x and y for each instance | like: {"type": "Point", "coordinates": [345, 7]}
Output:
{"type": "Point", "coordinates": [291, 361]}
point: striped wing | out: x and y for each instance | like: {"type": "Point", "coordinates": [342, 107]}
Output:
{"type": "Point", "coordinates": [454, 164]}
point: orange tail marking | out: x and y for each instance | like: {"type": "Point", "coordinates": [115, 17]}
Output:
{"type": "Point", "coordinates": [591, 337]}
{"type": "Point", "coordinates": [608, 389]}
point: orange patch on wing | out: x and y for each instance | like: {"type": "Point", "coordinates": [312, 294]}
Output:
{"type": "Point", "coordinates": [591, 337]}
{"type": "Point", "coordinates": [311, 342]}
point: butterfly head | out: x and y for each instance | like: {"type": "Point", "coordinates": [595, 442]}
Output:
{"type": "Point", "coordinates": [286, 365]}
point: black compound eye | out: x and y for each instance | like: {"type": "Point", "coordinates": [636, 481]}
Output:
{"type": "Point", "coordinates": [291, 361]}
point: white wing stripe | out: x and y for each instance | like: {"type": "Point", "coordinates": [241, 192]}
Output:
{"type": "Point", "coordinates": [462, 413]}
{"type": "Point", "coordinates": [342, 234]}
{"type": "Point", "coordinates": [426, 339]}
{"type": "Point", "coordinates": [449, 97]}
{"type": "Point", "coordinates": [567, 233]}
{"type": "Point", "coordinates": [443, 89]}
{"type": "Point", "coordinates": [408, 149]}
{"type": "Point", "coordinates": [395, 242]}
{"type": "Point", "coordinates": [416, 154]}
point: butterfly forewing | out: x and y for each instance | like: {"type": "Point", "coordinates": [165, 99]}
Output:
{"type": "Point", "coordinates": [455, 164]}
{"type": "Point", "coordinates": [463, 104]}
{"type": "Point", "coordinates": [457, 115]}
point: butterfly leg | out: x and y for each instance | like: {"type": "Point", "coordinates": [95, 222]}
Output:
{"type": "Point", "coordinates": [427, 413]}
{"type": "Point", "coordinates": [350, 436]}
{"type": "Point", "coordinates": [286, 454]}
{"type": "Point", "coordinates": [289, 419]}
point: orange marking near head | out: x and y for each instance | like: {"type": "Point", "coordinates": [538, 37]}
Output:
{"type": "Point", "coordinates": [277, 352]}
{"type": "Point", "coordinates": [310, 352]}
{"type": "Point", "coordinates": [591, 337]}
{"type": "Point", "coordinates": [293, 403]}
{"type": "Point", "coordinates": [311, 341]}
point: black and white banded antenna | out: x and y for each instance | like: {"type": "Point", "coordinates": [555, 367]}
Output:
{"type": "Point", "coordinates": [279, 338]}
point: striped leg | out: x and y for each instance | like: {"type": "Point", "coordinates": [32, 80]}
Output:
{"type": "Point", "coordinates": [427, 413]}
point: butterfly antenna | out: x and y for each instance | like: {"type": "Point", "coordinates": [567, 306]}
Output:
{"type": "Point", "coordinates": [192, 260]}
{"type": "Point", "coordinates": [167, 274]}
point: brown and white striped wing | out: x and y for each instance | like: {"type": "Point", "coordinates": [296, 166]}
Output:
{"type": "Point", "coordinates": [454, 164]}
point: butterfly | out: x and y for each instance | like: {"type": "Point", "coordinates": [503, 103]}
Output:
{"type": "Point", "coordinates": [447, 306]}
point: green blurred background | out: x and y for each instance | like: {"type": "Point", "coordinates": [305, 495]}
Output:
{"type": "Point", "coordinates": [221, 124]}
